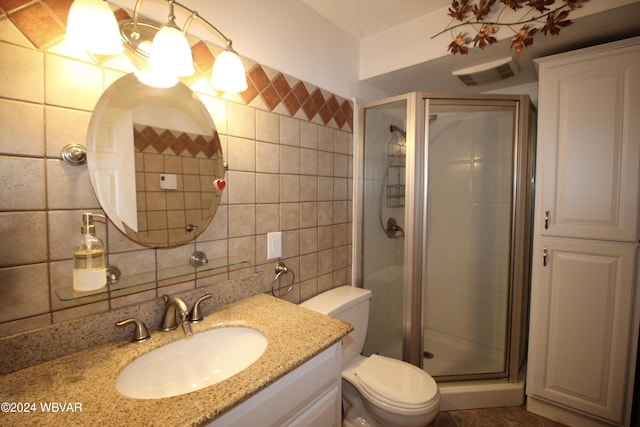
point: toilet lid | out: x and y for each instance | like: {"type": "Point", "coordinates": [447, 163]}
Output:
{"type": "Point", "coordinates": [395, 382]}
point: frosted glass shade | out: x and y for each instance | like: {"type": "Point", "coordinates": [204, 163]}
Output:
{"type": "Point", "coordinates": [170, 53]}
{"type": "Point", "coordinates": [155, 78]}
{"type": "Point", "coordinates": [228, 73]}
{"type": "Point", "coordinates": [91, 26]}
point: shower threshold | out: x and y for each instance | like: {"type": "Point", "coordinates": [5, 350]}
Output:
{"type": "Point", "coordinates": [480, 394]}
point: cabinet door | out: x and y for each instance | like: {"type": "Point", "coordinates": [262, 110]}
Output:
{"type": "Point", "coordinates": [588, 149]}
{"type": "Point", "coordinates": [581, 317]}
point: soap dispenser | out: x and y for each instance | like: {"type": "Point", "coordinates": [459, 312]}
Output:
{"type": "Point", "coordinates": [89, 269]}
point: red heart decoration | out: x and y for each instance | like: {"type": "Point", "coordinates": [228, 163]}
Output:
{"type": "Point", "coordinates": [219, 184]}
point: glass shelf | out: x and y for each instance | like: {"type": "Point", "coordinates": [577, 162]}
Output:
{"type": "Point", "coordinates": [182, 272]}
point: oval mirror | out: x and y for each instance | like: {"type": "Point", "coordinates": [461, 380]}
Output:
{"type": "Point", "coordinates": [154, 159]}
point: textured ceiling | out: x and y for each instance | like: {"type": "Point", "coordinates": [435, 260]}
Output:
{"type": "Point", "coordinates": [362, 18]}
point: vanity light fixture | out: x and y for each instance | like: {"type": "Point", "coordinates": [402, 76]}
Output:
{"type": "Point", "coordinates": [167, 49]}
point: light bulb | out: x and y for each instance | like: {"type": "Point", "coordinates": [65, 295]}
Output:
{"type": "Point", "coordinates": [228, 73]}
{"type": "Point", "coordinates": [91, 26]}
{"type": "Point", "coordinates": [170, 53]}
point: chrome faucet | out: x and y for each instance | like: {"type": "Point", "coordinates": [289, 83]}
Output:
{"type": "Point", "coordinates": [175, 311]}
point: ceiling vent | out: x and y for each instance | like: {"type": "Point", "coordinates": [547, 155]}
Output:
{"type": "Point", "coordinates": [489, 72]}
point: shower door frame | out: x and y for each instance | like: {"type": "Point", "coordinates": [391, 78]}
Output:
{"type": "Point", "coordinates": [412, 271]}
{"type": "Point", "coordinates": [416, 181]}
{"type": "Point", "coordinates": [521, 228]}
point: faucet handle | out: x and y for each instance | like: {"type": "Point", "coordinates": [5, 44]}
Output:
{"type": "Point", "coordinates": [195, 315]}
{"type": "Point", "coordinates": [140, 332]}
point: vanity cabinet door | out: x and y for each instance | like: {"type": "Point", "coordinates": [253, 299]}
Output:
{"type": "Point", "coordinates": [310, 395]}
{"type": "Point", "coordinates": [589, 144]}
{"type": "Point", "coordinates": [581, 321]}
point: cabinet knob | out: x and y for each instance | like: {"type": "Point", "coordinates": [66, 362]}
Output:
{"type": "Point", "coordinates": [544, 256]}
{"type": "Point", "coordinates": [546, 219]}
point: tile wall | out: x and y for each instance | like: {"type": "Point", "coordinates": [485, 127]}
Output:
{"type": "Point", "coordinates": [288, 145]}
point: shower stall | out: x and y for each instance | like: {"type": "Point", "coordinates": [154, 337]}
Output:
{"type": "Point", "coordinates": [444, 191]}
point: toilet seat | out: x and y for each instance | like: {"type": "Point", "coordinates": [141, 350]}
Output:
{"type": "Point", "coordinates": [396, 383]}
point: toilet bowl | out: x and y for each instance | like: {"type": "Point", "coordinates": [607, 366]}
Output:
{"type": "Point", "coordinates": [394, 393]}
{"type": "Point", "coordinates": [377, 391]}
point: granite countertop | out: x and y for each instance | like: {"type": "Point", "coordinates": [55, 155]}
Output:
{"type": "Point", "coordinates": [84, 382]}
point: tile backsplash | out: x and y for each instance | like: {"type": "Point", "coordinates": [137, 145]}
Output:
{"type": "Point", "coordinates": [289, 150]}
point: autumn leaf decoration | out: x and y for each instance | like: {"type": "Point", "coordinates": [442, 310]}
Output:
{"type": "Point", "coordinates": [542, 16]}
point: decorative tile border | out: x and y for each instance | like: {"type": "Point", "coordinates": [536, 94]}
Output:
{"type": "Point", "coordinates": [43, 23]}
{"type": "Point", "coordinates": [180, 143]}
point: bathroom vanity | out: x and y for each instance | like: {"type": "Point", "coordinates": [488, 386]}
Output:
{"type": "Point", "coordinates": [296, 380]}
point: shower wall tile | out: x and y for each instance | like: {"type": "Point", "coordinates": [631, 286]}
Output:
{"type": "Point", "coordinates": [72, 84]}
{"type": "Point", "coordinates": [241, 187]}
{"type": "Point", "coordinates": [267, 188]}
{"type": "Point", "coordinates": [267, 127]}
{"type": "Point", "coordinates": [289, 216]}
{"type": "Point", "coordinates": [325, 188]}
{"type": "Point", "coordinates": [289, 160]}
{"type": "Point", "coordinates": [308, 214]}
{"type": "Point", "coordinates": [308, 161]}
{"type": "Point", "coordinates": [283, 139]}
{"type": "Point", "coordinates": [241, 121]}
{"type": "Point", "coordinates": [242, 220]}
{"type": "Point", "coordinates": [267, 157]}
{"type": "Point", "coordinates": [325, 163]}
{"type": "Point", "coordinates": [325, 237]}
{"type": "Point", "coordinates": [24, 291]}
{"type": "Point", "coordinates": [308, 188]}
{"type": "Point", "coordinates": [242, 154]}
{"type": "Point", "coordinates": [19, 177]}
{"type": "Point", "coordinates": [325, 139]}
{"type": "Point", "coordinates": [289, 131]}
{"type": "Point", "coordinates": [12, 128]}
{"type": "Point", "coordinates": [308, 240]}
{"type": "Point", "coordinates": [308, 135]}
{"type": "Point", "coordinates": [24, 238]}
{"type": "Point", "coordinates": [267, 218]}
{"type": "Point", "coordinates": [21, 73]}
{"type": "Point", "coordinates": [289, 188]}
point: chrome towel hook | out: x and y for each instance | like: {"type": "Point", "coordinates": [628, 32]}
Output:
{"type": "Point", "coordinates": [280, 270]}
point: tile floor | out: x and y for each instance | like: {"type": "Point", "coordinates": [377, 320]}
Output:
{"type": "Point", "coordinates": [516, 416]}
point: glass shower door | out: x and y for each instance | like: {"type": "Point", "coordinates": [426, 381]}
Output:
{"type": "Point", "coordinates": [445, 191]}
{"type": "Point", "coordinates": [383, 205]}
{"type": "Point", "coordinates": [468, 232]}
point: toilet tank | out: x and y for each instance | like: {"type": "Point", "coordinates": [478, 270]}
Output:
{"type": "Point", "coordinates": [349, 304]}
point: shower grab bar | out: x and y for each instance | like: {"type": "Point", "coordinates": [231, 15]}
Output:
{"type": "Point", "coordinates": [280, 270]}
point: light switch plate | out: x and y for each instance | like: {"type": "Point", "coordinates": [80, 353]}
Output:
{"type": "Point", "coordinates": [274, 245]}
{"type": "Point", "coordinates": [168, 181]}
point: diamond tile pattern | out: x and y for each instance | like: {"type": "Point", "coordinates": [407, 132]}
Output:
{"type": "Point", "coordinates": [42, 22]}
{"type": "Point", "coordinates": [180, 143]}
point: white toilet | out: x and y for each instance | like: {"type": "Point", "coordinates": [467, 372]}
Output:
{"type": "Point", "coordinates": [376, 390]}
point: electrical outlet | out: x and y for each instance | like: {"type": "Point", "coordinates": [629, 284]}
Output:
{"type": "Point", "coordinates": [274, 245]}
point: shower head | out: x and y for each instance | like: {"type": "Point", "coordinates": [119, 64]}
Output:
{"type": "Point", "coordinates": [394, 128]}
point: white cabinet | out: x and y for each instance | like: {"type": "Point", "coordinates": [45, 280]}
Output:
{"type": "Point", "coordinates": [582, 317]}
{"type": "Point", "coordinates": [310, 395]}
{"type": "Point", "coordinates": [588, 144]}
{"type": "Point", "coordinates": [584, 302]}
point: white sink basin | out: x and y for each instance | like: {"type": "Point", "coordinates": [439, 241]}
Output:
{"type": "Point", "coordinates": [192, 363]}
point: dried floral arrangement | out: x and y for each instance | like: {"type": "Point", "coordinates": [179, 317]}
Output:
{"type": "Point", "coordinates": [543, 16]}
